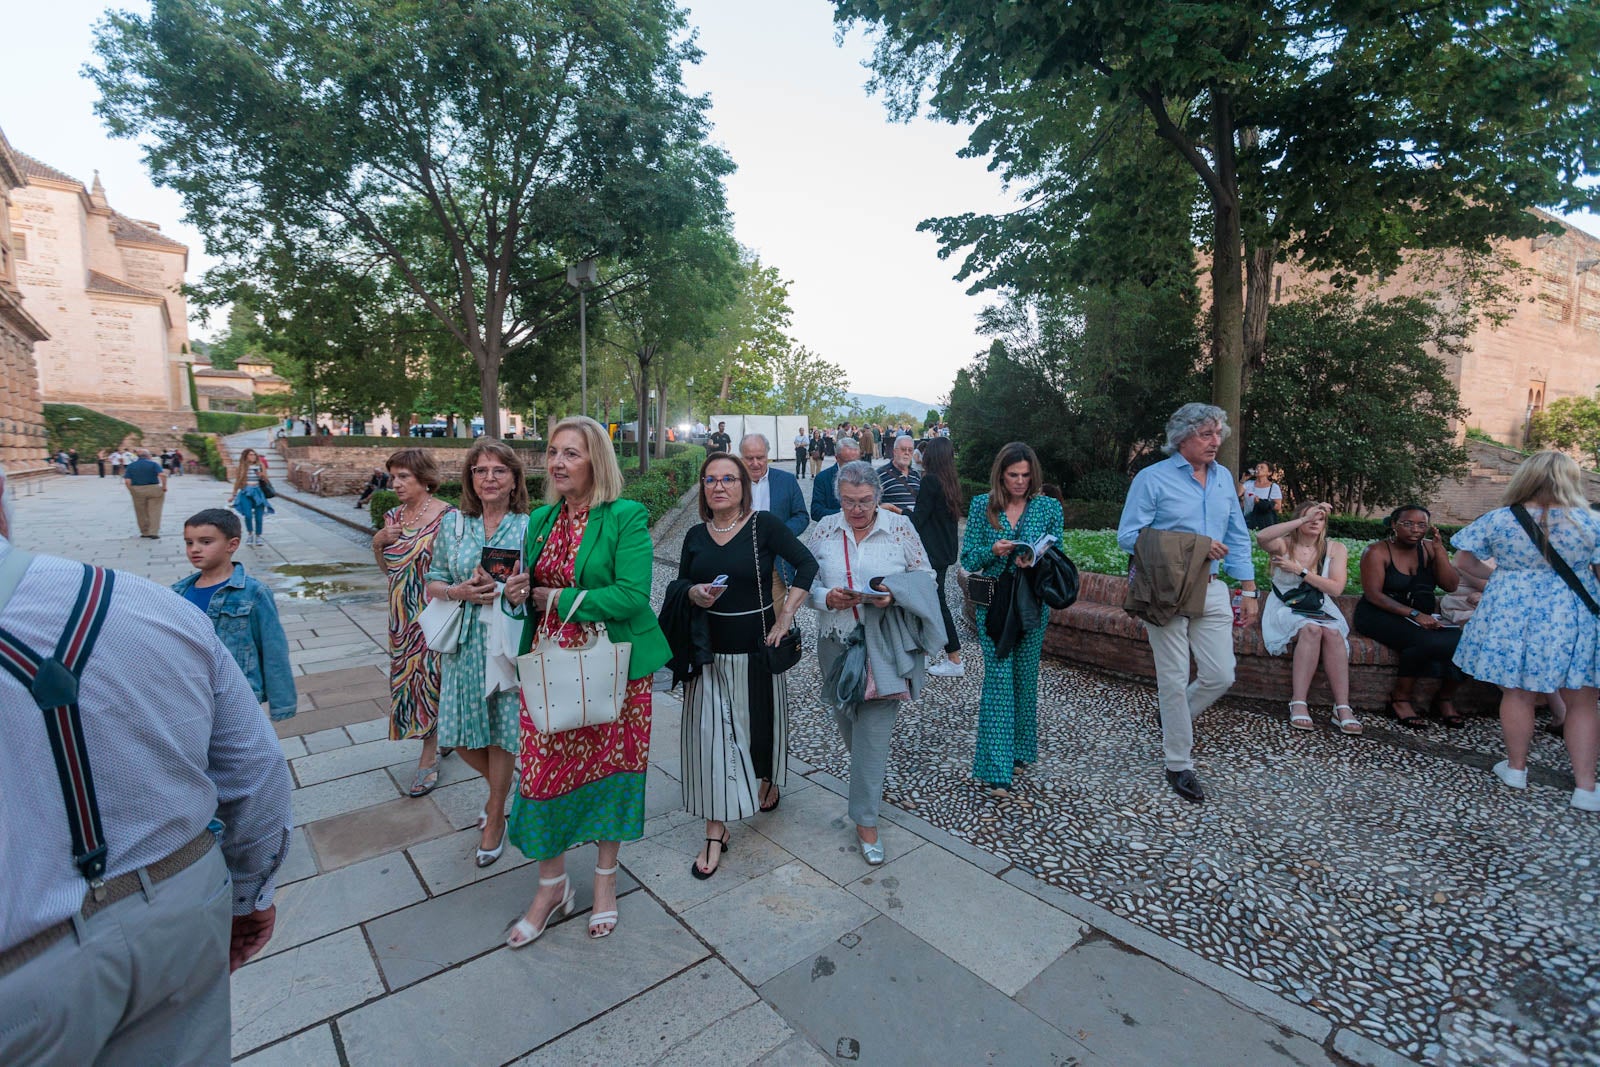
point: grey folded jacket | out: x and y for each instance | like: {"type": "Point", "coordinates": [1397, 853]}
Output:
{"type": "Point", "coordinates": [901, 637]}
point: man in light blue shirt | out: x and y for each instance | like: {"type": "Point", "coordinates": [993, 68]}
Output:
{"type": "Point", "coordinates": [1190, 492]}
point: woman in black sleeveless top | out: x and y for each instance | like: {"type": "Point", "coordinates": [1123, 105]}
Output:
{"type": "Point", "coordinates": [1398, 579]}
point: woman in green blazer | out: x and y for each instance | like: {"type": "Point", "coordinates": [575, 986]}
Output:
{"type": "Point", "coordinates": [584, 785]}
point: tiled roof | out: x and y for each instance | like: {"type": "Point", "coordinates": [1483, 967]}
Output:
{"type": "Point", "coordinates": [221, 392]}
{"type": "Point", "coordinates": [271, 378]}
{"type": "Point", "coordinates": [32, 168]}
{"type": "Point", "coordinates": [105, 283]}
{"type": "Point", "coordinates": [128, 230]}
{"type": "Point", "coordinates": [218, 372]}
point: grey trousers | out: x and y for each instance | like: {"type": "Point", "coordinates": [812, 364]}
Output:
{"type": "Point", "coordinates": [144, 981]}
{"type": "Point", "coordinates": [866, 729]}
{"type": "Point", "coordinates": [148, 501]}
{"type": "Point", "coordinates": [1209, 641]}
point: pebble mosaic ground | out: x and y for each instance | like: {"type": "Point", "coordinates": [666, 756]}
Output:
{"type": "Point", "coordinates": [1389, 883]}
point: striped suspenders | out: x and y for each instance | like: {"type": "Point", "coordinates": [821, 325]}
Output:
{"type": "Point", "coordinates": [53, 683]}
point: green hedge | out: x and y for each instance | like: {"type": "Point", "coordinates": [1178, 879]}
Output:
{"type": "Point", "coordinates": [203, 446]}
{"type": "Point", "coordinates": [71, 426]}
{"type": "Point", "coordinates": [226, 422]}
{"type": "Point", "coordinates": [1372, 529]}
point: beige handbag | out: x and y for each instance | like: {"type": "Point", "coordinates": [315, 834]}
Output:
{"type": "Point", "coordinates": [571, 688]}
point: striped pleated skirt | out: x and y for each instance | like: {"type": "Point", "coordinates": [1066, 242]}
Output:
{"type": "Point", "coordinates": [735, 732]}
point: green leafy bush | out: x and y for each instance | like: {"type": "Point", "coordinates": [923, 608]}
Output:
{"type": "Point", "coordinates": [1097, 551]}
{"type": "Point", "coordinates": [204, 447]}
{"type": "Point", "coordinates": [1101, 486]}
{"type": "Point", "coordinates": [1372, 529]}
{"type": "Point", "coordinates": [71, 426]}
{"type": "Point", "coordinates": [1092, 514]}
{"type": "Point", "coordinates": [226, 422]}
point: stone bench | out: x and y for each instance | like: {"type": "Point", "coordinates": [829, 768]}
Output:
{"type": "Point", "coordinates": [1095, 633]}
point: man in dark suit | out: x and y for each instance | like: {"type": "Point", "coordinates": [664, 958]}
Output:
{"type": "Point", "coordinates": [825, 490]}
{"type": "Point", "coordinates": [774, 490]}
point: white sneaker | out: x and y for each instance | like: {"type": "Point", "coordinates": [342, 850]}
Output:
{"type": "Point", "coordinates": [946, 669]}
{"type": "Point", "coordinates": [1586, 799]}
{"type": "Point", "coordinates": [1512, 778]}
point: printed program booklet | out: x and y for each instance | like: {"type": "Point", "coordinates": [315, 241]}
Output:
{"type": "Point", "coordinates": [500, 563]}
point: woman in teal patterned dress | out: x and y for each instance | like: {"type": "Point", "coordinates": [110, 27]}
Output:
{"type": "Point", "coordinates": [1000, 525]}
{"type": "Point", "coordinates": [482, 727]}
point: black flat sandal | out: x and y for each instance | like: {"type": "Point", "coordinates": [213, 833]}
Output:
{"type": "Point", "coordinates": [1410, 722]}
{"type": "Point", "coordinates": [1453, 721]}
{"type": "Point", "coordinates": [694, 864]}
{"type": "Point", "coordinates": [776, 796]}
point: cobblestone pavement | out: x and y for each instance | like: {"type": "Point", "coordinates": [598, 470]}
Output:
{"type": "Point", "coordinates": [1334, 900]}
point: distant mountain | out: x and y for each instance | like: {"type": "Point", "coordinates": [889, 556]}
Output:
{"type": "Point", "coordinates": [895, 404]}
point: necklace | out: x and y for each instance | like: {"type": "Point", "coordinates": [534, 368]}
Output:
{"type": "Point", "coordinates": [409, 517]}
{"type": "Point", "coordinates": [728, 528]}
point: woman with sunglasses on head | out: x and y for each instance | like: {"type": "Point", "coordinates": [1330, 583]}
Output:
{"type": "Point", "coordinates": [482, 726]}
{"type": "Point", "coordinates": [735, 710]}
{"type": "Point", "coordinates": [1399, 607]}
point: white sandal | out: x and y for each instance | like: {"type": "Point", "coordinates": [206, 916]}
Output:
{"type": "Point", "coordinates": [1302, 721]}
{"type": "Point", "coordinates": [1347, 723]}
{"type": "Point", "coordinates": [600, 918]}
{"type": "Point", "coordinates": [524, 932]}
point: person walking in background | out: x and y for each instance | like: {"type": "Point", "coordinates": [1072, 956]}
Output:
{"type": "Point", "coordinates": [100, 461]}
{"type": "Point", "coordinates": [1192, 493]}
{"type": "Point", "coordinates": [866, 546]}
{"type": "Point", "coordinates": [404, 550]}
{"type": "Point", "coordinates": [72, 460]}
{"type": "Point", "coordinates": [935, 519]}
{"type": "Point", "coordinates": [735, 730]}
{"type": "Point", "coordinates": [824, 491]}
{"type": "Point", "coordinates": [478, 710]}
{"type": "Point", "coordinates": [588, 561]}
{"type": "Point", "coordinates": [720, 441]}
{"type": "Point", "coordinates": [1001, 525]}
{"type": "Point", "coordinates": [249, 499]}
{"type": "Point", "coordinates": [900, 478]}
{"type": "Point", "coordinates": [802, 449]}
{"type": "Point", "coordinates": [815, 453]}
{"type": "Point", "coordinates": [1308, 571]}
{"type": "Point", "coordinates": [1399, 608]}
{"type": "Point", "coordinates": [1535, 630]}
{"type": "Point", "coordinates": [776, 491]}
{"type": "Point", "coordinates": [122, 956]}
{"type": "Point", "coordinates": [1261, 498]}
{"type": "Point", "coordinates": [147, 485]}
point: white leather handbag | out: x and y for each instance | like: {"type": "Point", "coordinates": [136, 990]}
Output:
{"type": "Point", "coordinates": [440, 620]}
{"type": "Point", "coordinates": [571, 688]}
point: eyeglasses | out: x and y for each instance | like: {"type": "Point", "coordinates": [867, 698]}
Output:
{"type": "Point", "coordinates": [492, 473]}
{"type": "Point", "coordinates": [857, 505]}
{"type": "Point", "coordinates": [1412, 525]}
{"type": "Point", "coordinates": [725, 480]}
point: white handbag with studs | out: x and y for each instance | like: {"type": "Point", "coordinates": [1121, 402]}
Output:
{"type": "Point", "coordinates": [571, 688]}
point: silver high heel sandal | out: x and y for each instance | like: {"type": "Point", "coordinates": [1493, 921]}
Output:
{"type": "Point", "coordinates": [600, 918]}
{"type": "Point", "coordinates": [524, 932]}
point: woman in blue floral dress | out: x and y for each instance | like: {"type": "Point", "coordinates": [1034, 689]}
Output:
{"type": "Point", "coordinates": [1532, 633]}
{"type": "Point", "coordinates": [1000, 525]}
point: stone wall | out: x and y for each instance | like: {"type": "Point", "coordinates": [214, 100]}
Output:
{"type": "Point", "coordinates": [1461, 500]}
{"type": "Point", "coordinates": [340, 471]}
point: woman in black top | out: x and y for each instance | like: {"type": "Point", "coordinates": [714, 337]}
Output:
{"type": "Point", "coordinates": [1397, 609]}
{"type": "Point", "coordinates": [935, 517]}
{"type": "Point", "coordinates": [735, 713]}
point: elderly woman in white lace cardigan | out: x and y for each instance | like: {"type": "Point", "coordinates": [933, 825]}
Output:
{"type": "Point", "coordinates": [878, 619]}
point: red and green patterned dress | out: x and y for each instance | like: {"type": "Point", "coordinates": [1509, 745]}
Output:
{"type": "Point", "coordinates": [582, 785]}
{"type": "Point", "coordinates": [413, 670]}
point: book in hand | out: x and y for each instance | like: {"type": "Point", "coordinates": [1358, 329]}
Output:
{"type": "Point", "coordinates": [500, 563]}
{"type": "Point", "coordinates": [1039, 547]}
{"type": "Point", "coordinates": [872, 587]}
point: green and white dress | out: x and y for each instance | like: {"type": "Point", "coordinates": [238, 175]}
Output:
{"type": "Point", "coordinates": [468, 719]}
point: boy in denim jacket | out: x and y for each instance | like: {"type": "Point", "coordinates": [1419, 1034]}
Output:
{"type": "Point", "coordinates": [241, 609]}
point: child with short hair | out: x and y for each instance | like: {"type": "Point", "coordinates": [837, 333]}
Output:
{"type": "Point", "coordinates": [241, 609]}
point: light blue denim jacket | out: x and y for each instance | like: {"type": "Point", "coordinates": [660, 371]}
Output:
{"type": "Point", "coordinates": [246, 619]}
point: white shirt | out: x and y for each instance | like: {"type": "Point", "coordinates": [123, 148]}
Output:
{"type": "Point", "coordinates": [890, 547]}
{"type": "Point", "coordinates": [1254, 492]}
{"type": "Point", "coordinates": [761, 494]}
{"type": "Point", "coordinates": [174, 736]}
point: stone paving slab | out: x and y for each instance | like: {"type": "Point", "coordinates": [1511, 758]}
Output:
{"type": "Point", "coordinates": [353, 759]}
{"type": "Point", "coordinates": [338, 899]}
{"type": "Point", "coordinates": [815, 828]}
{"type": "Point", "coordinates": [299, 863]}
{"type": "Point", "coordinates": [314, 1048]}
{"type": "Point", "coordinates": [883, 996]}
{"type": "Point", "coordinates": [341, 795]}
{"type": "Point", "coordinates": [508, 1003]}
{"type": "Point", "coordinates": [449, 862]}
{"type": "Point", "coordinates": [358, 706]}
{"type": "Point", "coordinates": [1124, 1004]}
{"type": "Point", "coordinates": [662, 863]}
{"type": "Point", "coordinates": [291, 990]}
{"type": "Point", "coordinates": [361, 835]}
{"type": "Point", "coordinates": [323, 741]}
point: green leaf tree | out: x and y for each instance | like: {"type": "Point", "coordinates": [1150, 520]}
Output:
{"type": "Point", "coordinates": [1571, 424]}
{"type": "Point", "coordinates": [1340, 135]}
{"type": "Point", "coordinates": [806, 384]}
{"type": "Point", "coordinates": [473, 146]}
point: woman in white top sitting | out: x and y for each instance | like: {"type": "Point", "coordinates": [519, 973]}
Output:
{"type": "Point", "coordinates": [860, 543]}
{"type": "Point", "coordinates": [1304, 559]}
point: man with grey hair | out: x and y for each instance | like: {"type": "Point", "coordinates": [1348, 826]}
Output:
{"type": "Point", "coordinates": [825, 488]}
{"type": "Point", "coordinates": [147, 484]}
{"type": "Point", "coordinates": [1191, 492]}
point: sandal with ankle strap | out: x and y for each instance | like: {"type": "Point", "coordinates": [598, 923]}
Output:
{"type": "Point", "coordinates": [1347, 723]}
{"type": "Point", "coordinates": [1410, 722]}
{"type": "Point", "coordinates": [694, 864]}
{"type": "Point", "coordinates": [600, 918]}
{"type": "Point", "coordinates": [524, 932]}
{"type": "Point", "coordinates": [1302, 720]}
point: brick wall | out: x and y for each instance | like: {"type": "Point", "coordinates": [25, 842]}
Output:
{"type": "Point", "coordinates": [1464, 499]}
{"type": "Point", "coordinates": [346, 470]}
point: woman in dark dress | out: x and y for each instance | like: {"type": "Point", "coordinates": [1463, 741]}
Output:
{"type": "Point", "coordinates": [1397, 608]}
{"type": "Point", "coordinates": [937, 513]}
{"type": "Point", "coordinates": [735, 713]}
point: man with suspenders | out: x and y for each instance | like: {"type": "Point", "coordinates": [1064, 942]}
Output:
{"type": "Point", "coordinates": [120, 917]}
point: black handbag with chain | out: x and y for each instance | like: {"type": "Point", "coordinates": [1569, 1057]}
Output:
{"type": "Point", "coordinates": [786, 653]}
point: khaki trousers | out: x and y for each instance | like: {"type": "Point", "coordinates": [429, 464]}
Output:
{"type": "Point", "coordinates": [147, 503]}
{"type": "Point", "coordinates": [1208, 640]}
{"type": "Point", "coordinates": [144, 981]}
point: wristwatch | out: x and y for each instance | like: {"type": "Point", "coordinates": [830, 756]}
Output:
{"type": "Point", "coordinates": [1303, 572]}
{"type": "Point", "coordinates": [1414, 613]}
{"type": "Point", "coordinates": [1253, 594]}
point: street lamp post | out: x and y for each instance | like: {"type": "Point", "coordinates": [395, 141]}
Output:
{"type": "Point", "coordinates": [581, 276]}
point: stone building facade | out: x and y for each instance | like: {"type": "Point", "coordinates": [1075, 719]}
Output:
{"type": "Point", "coordinates": [22, 435]}
{"type": "Point", "coordinates": [107, 289]}
{"type": "Point", "coordinates": [239, 389]}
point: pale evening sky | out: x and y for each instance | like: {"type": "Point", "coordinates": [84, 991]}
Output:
{"type": "Point", "coordinates": [827, 190]}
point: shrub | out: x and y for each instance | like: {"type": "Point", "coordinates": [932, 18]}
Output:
{"type": "Point", "coordinates": [71, 426]}
{"type": "Point", "coordinates": [226, 422]}
{"type": "Point", "coordinates": [204, 447]}
{"type": "Point", "coordinates": [1092, 514]}
{"type": "Point", "coordinates": [1097, 551]}
{"type": "Point", "coordinates": [1101, 486]}
{"type": "Point", "coordinates": [1363, 529]}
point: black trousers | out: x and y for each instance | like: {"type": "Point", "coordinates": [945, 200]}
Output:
{"type": "Point", "coordinates": [1423, 653]}
{"type": "Point", "coordinates": [952, 643]}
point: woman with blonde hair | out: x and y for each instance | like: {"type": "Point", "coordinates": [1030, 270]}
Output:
{"type": "Point", "coordinates": [1308, 571]}
{"type": "Point", "coordinates": [1535, 630]}
{"type": "Point", "coordinates": [478, 708]}
{"type": "Point", "coordinates": [249, 499]}
{"type": "Point", "coordinates": [588, 561]}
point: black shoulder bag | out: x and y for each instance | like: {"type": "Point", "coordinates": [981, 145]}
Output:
{"type": "Point", "coordinates": [1552, 557]}
{"type": "Point", "coordinates": [786, 653]}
